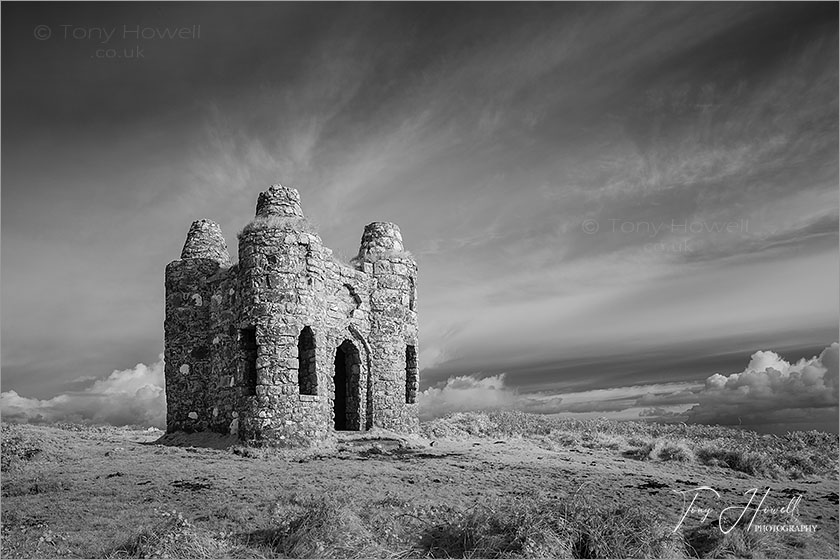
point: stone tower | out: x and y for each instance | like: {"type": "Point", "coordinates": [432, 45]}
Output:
{"type": "Point", "coordinates": [289, 345]}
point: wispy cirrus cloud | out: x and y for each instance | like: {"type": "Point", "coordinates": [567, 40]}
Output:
{"type": "Point", "coordinates": [490, 134]}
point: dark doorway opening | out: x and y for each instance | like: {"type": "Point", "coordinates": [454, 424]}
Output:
{"type": "Point", "coordinates": [347, 402]}
{"type": "Point", "coordinates": [248, 350]}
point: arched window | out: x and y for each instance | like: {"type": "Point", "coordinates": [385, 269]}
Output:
{"type": "Point", "coordinates": [410, 375]}
{"type": "Point", "coordinates": [307, 376]}
{"type": "Point", "coordinates": [248, 352]}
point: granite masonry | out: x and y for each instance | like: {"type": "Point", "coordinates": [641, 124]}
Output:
{"type": "Point", "coordinates": [289, 345]}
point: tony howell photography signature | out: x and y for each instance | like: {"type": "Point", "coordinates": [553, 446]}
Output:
{"type": "Point", "coordinates": [775, 512]}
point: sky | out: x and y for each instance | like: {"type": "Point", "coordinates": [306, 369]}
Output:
{"type": "Point", "coordinates": [618, 209]}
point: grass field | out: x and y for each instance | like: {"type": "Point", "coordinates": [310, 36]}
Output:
{"type": "Point", "coordinates": [474, 485]}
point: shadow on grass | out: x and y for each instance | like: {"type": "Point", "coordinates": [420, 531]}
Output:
{"type": "Point", "coordinates": [206, 440]}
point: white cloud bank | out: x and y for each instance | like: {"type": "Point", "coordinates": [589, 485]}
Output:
{"type": "Point", "coordinates": [769, 392]}
{"type": "Point", "coordinates": [467, 393]}
{"type": "Point", "coordinates": [130, 396]}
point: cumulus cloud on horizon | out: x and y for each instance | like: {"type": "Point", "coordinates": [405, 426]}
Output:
{"type": "Point", "coordinates": [769, 391]}
{"type": "Point", "coordinates": [466, 393]}
{"type": "Point", "coordinates": [130, 396]}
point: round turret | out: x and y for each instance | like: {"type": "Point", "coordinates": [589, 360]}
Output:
{"type": "Point", "coordinates": [205, 241]}
{"type": "Point", "coordinates": [279, 201]}
{"type": "Point", "coordinates": [381, 238]}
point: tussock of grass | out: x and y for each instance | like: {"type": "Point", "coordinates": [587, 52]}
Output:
{"type": "Point", "coordinates": [497, 532]}
{"type": "Point", "coordinates": [606, 441]}
{"type": "Point", "coordinates": [325, 527]}
{"type": "Point", "coordinates": [565, 438]}
{"type": "Point", "coordinates": [749, 462]}
{"type": "Point", "coordinates": [290, 224]}
{"type": "Point", "coordinates": [742, 541]}
{"type": "Point", "coordinates": [622, 532]}
{"type": "Point", "coordinates": [668, 450]}
{"type": "Point", "coordinates": [799, 466]}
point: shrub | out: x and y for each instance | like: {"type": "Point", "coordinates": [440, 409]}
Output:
{"type": "Point", "coordinates": [565, 438]}
{"type": "Point", "coordinates": [607, 441]}
{"type": "Point", "coordinates": [749, 462]}
{"type": "Point", "coordinates": [461, 425]}
{"type": "Point", "coordinates": [517, 423]}
{"type": "Point", "coordinates": [18, 447]}
{"type": "Point", "coordinates": [798, 465]}
{"type": "Point", "coordinates": [636, 441]}
{"type": "Point", "coordinates": [641, 451]}
{"type": "Point", "coordinates": [667, 450]}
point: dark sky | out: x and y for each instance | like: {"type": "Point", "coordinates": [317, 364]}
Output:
{"type": "Point", "coordinates": [600, 195]}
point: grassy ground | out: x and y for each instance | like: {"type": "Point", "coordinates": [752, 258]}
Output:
{"type": "Point", "coordinates": [793, 455]}
{"type": "Point", "coordinates": [502, 485]}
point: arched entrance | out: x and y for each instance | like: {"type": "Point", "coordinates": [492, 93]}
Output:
{"type": "Point", "coordinates": [347, 401]}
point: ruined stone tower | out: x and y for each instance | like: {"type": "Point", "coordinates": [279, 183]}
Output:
{"type": "Point", "coordinates": [289, 345]}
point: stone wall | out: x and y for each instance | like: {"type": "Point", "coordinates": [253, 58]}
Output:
{"type": "Point", "coordinates": [190, 388]}
{"type": "Point", "coordinates": [299, 320]}
{"type": "Point", "coordinates": [394, 325]}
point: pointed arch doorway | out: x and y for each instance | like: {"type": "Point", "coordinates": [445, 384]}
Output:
{"type": "Point", "coordinates": [346, 380]}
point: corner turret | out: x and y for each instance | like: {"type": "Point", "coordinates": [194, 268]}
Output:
{"type": "Point", "coordinates": [394, 332]}
{"type": "Point", "coordinates": [380, 239]}
{"type": "Point", "coordinates": [279, 201]}
{"type": "Point", "coordinates": [205, 241]}
{"type": "Point", "coordinates": [188, 329]}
